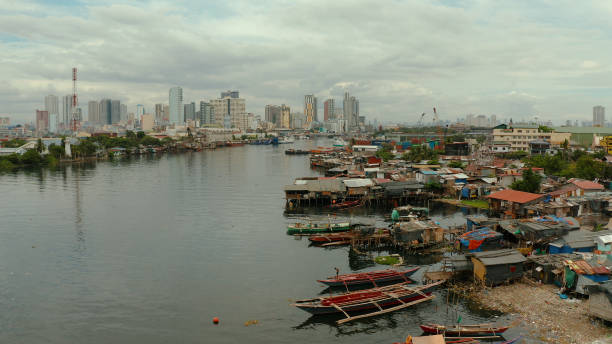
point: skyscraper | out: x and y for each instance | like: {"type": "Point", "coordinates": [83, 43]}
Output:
{"type": "Point", "coordinates": [229, 111]}
{"type": "Point", "coordinates": [123, 113]}
{"type": "Point", "coordinates": [42, 121]}
{"type": "Point", "coordinates": [328, 109]}
{"type": "Point", "coordinates": [207, 113]}
{"type": "Point", "coordinates": [190, 110]}
{"type": "Point", "coordinates": [104, 112]}
{"type": "Point", "coordinates": [93, 112]}
{"type": "Point", "coordinates": [67, 110]}
{"type": "Point", "coordinates": [52, 104]}
{"type": "Point", "coordinates": [285, 116]}
{"type": "Point", "coordinates": [599, 116]}
{"type": "Point", "coordinates": [177, 112]}
{"type": "Point", "coordinates": [350, 107]}
{"type": "Point", "coordinates": [115, 111]}
{"type": "Point", "coordinates": [310, 108]}
{"type": "Point", "coordinates": [159, 113]}
{"type": "Point", "coordinates": [273, 114]}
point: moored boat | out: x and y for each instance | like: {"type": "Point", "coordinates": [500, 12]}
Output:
{"type": "Point", "coordinates": [331, 237]}
{"type": "Point", "coordinates": [292, 151]}
{"type": "Point", "coordinates": [464, 330]}
{"type": "Point", "coordinates": [345, 204]}
{"type": "Point", "coordinates": [315, 228]}
{"type": "Point", "coordinates": [370, 277]}
{"type": "Point", "coordinates": [397, 294]}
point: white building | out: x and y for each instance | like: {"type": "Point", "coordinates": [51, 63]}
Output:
{"type": "Point", "coordinates": [177, 115]}
{"type": "Point", "coordinates": [228, 110]}
{"type": "Point", "coordinates": [599, 116]}
{"type": "Point", "coordinates": [52, 104]}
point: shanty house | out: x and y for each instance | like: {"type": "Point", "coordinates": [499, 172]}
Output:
{"type": "Point", "coordinates": [357, 187]}
{"type": "Point", "coordinates": [426, 176]}
{"type": "Point", "coordinates": [512, 202]}
{"type": "Point", "coordinates": [574, 241]}
{"type": "Point", "coordinates": [586, 186]}
{"type": "Point", "coordinates": [600, 301]}
{"type": "Point", "coordinates": [315, 190]}
{"type": "Point", "coordinates": [497, 267]}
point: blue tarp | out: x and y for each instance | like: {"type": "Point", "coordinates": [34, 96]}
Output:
{"type": "Point", "coordinates": [474, 240]}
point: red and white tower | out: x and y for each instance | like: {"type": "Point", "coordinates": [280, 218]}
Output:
{"type": "Point", "coordinates": [75, 115]}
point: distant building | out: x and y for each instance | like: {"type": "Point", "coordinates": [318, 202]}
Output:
{"type": "Point", "coordinates": [177, 112]}
{"type": "Point", "coordinates": [67, 110]}
{"type": "Point", "coordinates": [329, 108]}
{"type": "Point", "coordinates": [146, 122]}
{"type": "Point", "coordinates": [520, 135]}
{"type": "Point", "coordinates": [52, 104]}
{"type": "Point", "coordinates": [229, 111]}
{"type": "Point", "coordinates": [350, 107]}
{"type": "Point", "coordinates": [310, 108]}
{"type": "Point", "coordinates": [207, 113]}
{"type": "Point", "coordinates": [104, 114]}
{"type": "Point", "coordinates": [93, 112]}
{"type": "Point", "coordinates": [42, 121]}
{"type": "Point", "coordinates": [159, 113]}
{"type": "Point", "coordinates": [115, 111]}
{"type": "Point", "coordinates": [53, 123]}
{"type": "Point", "coordinates": [140, 110]}
{"type": "Point", "coordinates": [123, 112]}
{"type": "Point", "coordinates": [298, 120]}
{"type": "Point", "coordinates": [285, 116]}
{"type": "Point", "coordinates": [230, 94]}
{"type": "Point", "coordinates": [599, 116]}
{"type": "Point", "coordinates": [273, 114]}
{"type": "Point", "coordinates": [190, 111]}
{"type": "Point", "coordinates": [5, 122]}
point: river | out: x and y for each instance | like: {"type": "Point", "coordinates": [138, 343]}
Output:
{"type": "Point", "coordinates": [150, 249]}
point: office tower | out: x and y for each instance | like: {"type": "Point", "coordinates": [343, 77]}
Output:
{"type": "Point", "coordinates": [42, 121]}
{"type": "Point", "coordinates": [207, 113]}
{"type": "Point", "coordinates": [350, 108]}
{"type": "Point", "coordinates": [228, 111]}
{"type": "Point", "coordinates": [328, 109]}
{"type": "Point", "coordinates": [599, 116]}
{"type": "Point", "coordinates": [310, 108]}
{"type": "Point", "coordinates": [273, 114]}
{"type": "Point", "coordinates": [93, 112]}
{"type": "Point", "coordinates": [230, 94]}
{"type": "Point", "coordinates": [104, 111]}
{"type": "Point", "coordinates": [177, 112]}
{"type": "Point", "coordinates": [146, 122]}
{"type": "Point", "coordinates": [159, 113]}
{"type": "Point", "coordinates": [67, 110]}
{"type": "Point", "coordinates": [189, 110]}
{"type": "Point", "coordinates": [123, 114]}
{"type": "Point", "coordinates": [52, 104]}
{"type": "Point", "coordinates": [53, 123]}
{"type": "Point", "coordinates": [285, 116]}
{"type": "Point", "coordinates": [115, 111]}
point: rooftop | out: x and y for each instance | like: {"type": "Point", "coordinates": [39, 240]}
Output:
{"type": "Point", "coordinates": [499, 257]}
{"type": "Point", "coordinates": [586, 185]}
{"type": "Point", "coordinates": [515, 196]}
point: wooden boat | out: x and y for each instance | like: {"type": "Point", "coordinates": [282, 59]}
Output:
{"type": "Point", "coordinates": [345, 204]}
{"type": "Point", "coordinates": [439, 339]}
{"type": "Point", "coordinates": [296, 152]}
{"type": "Point", "coordinates": [464, 330]}
{"type": "Point", "coordinates": [331, 237]}
{"type": "Point", "coordinates": [316, 228]}
{"type": "Point", "coordinates": [370, 277]}
{"type": "Point", "coordinates": [395, 296]}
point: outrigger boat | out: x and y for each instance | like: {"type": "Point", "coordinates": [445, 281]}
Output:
{"type": "Point", "coordinates": [370, 277]}
{"type": "Point", "coordinates": [345, 204]}
{"type": "Point", "coordinates": [395, 296]}
{"type": "Point", "coordinates": [331, 238]}
{"type": "Point", "coordinates": [464, 330]}
{"type": "Point", "coordinates": [440, 339]}
{"type": "Point", "coordinates": [316, 228]}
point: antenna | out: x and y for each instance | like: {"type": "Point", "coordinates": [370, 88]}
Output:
{"type": "Point", "coordinates": [75, 102]}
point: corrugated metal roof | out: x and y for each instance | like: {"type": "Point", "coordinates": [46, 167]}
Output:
{"type": "Point", "coordinates": [429, 172]}
{"type": "Point", "coordinates": [358, 182]}
{"type": "Point", "coordinates": [586, 185]}
{"type": "Point", "coordinates": [499, 257]}
{"type": "Point", "coordinates": [515, 196]}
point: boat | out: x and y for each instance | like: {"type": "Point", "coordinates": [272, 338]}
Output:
{"type": "Point", "coordinates": [395, 297]}
{"type": "Point", "coordinates": [286, 139]}
{"type": "Point", "coordinates": [464, 330]}
{"type": "Point", "coordinates": [292, 151]}
{"type": "Point", "coordinates": [440, 339]}
{"type": "Point", "coordinates": [394, 259]}
{"type": "Point", "coordinates": [370, 277]}
{"type": "Point", "coordinates": [315, 228]}
{"type": "Point", "coordinates": [339, 143]}
{"type": "Point", "coordinates": [345, 204]}
{"type": "Point", "coordinates": [331, 237]}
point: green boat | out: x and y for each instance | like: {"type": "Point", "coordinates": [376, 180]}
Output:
{"type": "Point", "coordinates": [316, 228]}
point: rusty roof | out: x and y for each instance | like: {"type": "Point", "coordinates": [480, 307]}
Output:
{"type": "Point", "coordinates": [515, 196]}
{"type": "Point", "coordinates": [586, 185]}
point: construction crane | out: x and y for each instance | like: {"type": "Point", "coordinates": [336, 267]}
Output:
{"type": "Point", "coordinates": [441, 137]}
{"type": "Point", "coordinates": [420, 121]}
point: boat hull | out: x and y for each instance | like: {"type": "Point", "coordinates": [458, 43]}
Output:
{"type": "Point", "coordinates": [391, 278]}
{"type": "Point", "coordinates": [462, 332]}
{"type": "Point", "coordinates": [320, 310]}
{"type": "Point", "coordinates": [315, 229]}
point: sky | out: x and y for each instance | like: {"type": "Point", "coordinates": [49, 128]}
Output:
{"type": "Point", "coordinates": [515, 59]}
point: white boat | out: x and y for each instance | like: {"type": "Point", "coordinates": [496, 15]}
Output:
{"type": "Point", "coordinates": [339, 143]}
{"type": "Point", "coordinates": [286, 139]}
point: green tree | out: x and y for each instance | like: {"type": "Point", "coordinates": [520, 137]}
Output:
{"type": "Point", "coordinates": [31, 157]}
{"type": "Point", "coordinates": [14, 143]}
{"type": "Point", "coordinates": [530, 183]}
{"type": "Point", "coordinates": [455, 164]}
{"type": "Point", "coordinates": [56, 151]}
{"type": "Point", "coordinates": [150, 141]}
{"type": "Point", "coordinates": [39, 146]}
{"type": "Point", "coordinates": [384, 154]}
{"type": "Point", "coordinates": [434, 186]}
{"type": "Point", "coordinates": [140, 135]}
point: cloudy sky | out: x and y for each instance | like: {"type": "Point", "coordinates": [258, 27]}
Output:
{"type": "Point", "coordinates": [516, 59]}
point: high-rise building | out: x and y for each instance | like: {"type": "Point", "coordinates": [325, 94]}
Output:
{"type": "Point", "coordinates": [298, 120]}
{"type": "Point", "coordinates": [53, 123]}
{"type": "Point", "coordinates": [52, 104]}
{"type": "Point", "coordinates": [207, 113]}
{"type": "Point", "coordinates": [228, 109]}
{"type": "Point", "coordinates": [177, 112]}
{"type": "Point", "coordinates": [273, 114]}
{"type": "Point", "coordinates": [93, 112]}
{"type": "Point", "coordinates": [230, 94]}
{"type": "Point", "coordinates": [285, 116]}
{"type": "Point", "coordinates": [350, 107]}
{"type": "Point", "coordinates": [123, 112]}
{"type": "Point", "coordinates": [104, 112]}
{"type": "Point", "coordinates": [159, 113]}
{"type": "Point", "coordinates": [599, 116]}
{"type": "Point", "coordinates": [42, 121]}
{"type": "Point", "coordinates": [310, 108]}
{"type": "Point", "coordinates": [67, 110]}
{"type": "Point", "coordinates": [328, 109]}
{"type": "Point", "coordinates": [146, 122]}
{"type": "Point", "coordinates": [115, 111]}
{"type": "Point", "coordinates": [189, 110]}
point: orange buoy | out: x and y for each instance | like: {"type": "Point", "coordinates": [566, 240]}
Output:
{"type": "Point", "coordinates": [215, 320]}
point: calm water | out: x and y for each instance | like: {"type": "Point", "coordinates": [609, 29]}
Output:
{"type": "Point", "coordinates": [149, 250]}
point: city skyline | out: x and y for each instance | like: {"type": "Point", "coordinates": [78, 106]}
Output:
{"type": "Point", "coordinates": [512, 60]}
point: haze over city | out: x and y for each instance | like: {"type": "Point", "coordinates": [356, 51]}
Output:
{"type": "Point", "coordinates": [514, 60]}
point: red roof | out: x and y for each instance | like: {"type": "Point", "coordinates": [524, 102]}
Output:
{"type": "Point", "coordinates": [563, 190]}
{"type": "Point", "coordinates": [515, 196]}
{"type": "Point", "coordinates": [586, 185]}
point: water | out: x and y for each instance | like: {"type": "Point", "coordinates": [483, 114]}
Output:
{"type": "Point", "coordinates": [150, 249]}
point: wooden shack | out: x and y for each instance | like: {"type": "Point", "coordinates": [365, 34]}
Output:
{"type": "Point", "coordinates": [512, 203]}
{"type": "Point", "coordinates": [600, 301]}
{"type": "Point", "coordinates": [497, 267]}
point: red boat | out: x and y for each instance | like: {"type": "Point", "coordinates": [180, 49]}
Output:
{"type": "Point", "coordinates": [332, 237]}
{"type": "Point", "coordinates": [464, 330]}
{"type": "Point", "coordinates": [371, 277]}
{"type": "Point", "coordinates": [345, 204]}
